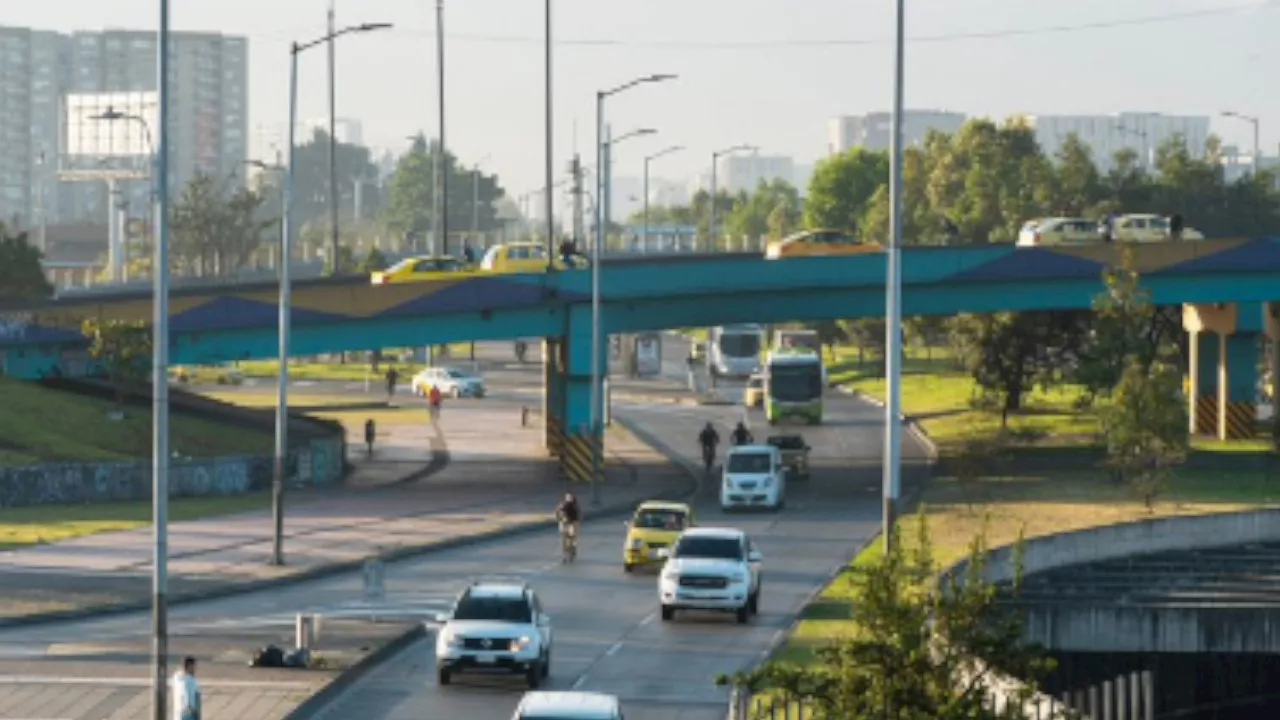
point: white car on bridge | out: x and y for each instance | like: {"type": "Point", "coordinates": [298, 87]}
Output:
{"type": "Point", "coordinates": [710, 568]}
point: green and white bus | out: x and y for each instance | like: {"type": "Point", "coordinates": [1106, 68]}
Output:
{"type": "Point", "coordinates": [793, 386]}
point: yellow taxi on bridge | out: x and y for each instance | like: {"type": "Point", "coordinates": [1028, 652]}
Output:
{"type": "Point", "coordinates": [651, 531]}
{"type": "Point", "coordinates": [817, 243]}
{"type": "Point", "coordinates": [524, 257]}
{"type": "Point", "coordinates": [418, 269]}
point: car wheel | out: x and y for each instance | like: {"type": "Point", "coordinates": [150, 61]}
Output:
{"type": "Point", "coordinates": [744, 614]}
{"type": "Point", "coordinates": [628, 567]}
{"type": "Point", "coordinates": [668, 613]}
{"type": "Point", "coordinates": [533, 677]}
{"type": "Point", "coordinates": [443, 676]}
{"type": "Point", "coordinates": [753, 602]}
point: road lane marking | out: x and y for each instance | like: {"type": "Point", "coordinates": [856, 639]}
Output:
{"type": "Point", "coordinates": [614, 649]}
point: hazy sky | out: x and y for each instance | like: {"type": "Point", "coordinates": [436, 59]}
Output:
{"type": "Point", "coordinates": [763, 72]}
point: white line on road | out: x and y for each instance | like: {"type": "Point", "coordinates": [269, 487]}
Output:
{"type": "Point", "coordinates": [613, 650]}
{"type": "Point", "coordinates": [580, 682]}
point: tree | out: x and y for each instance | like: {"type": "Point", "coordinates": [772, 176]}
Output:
{"type": "Point", "coordinates": [842, 187]}
{"type": "Point", "coordinates": [750, 216]}
{"type": "Point", "coordinates": [311, 180]}
{"type": "Point", "coordinates": [1124, 329]}
{"type": "Point", "coordinates": [373, 262]}
{"type": "Point", "coordinates": [21, 274]}
{"type": "Point", "coordinates": [1079, 186]}
{"type": "Point", "coordinates": [123, 348]}
{"type": "Point", "coordinates": [1009, 354]}
{"type": "Point", "coordinates": [410, 206]}
{"type": "Point", "coordinates": [783, 220]}
{"type": "Point", "coordinates": [922, 648]}
{"type": "Point", "coordinates": [216, 233]}
{"type": "Point", "coordinates": [1145, 426]}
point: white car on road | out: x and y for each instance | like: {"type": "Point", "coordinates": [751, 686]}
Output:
{"type": "Point", "coordinates": [711, 569]}
{"type": "Point", "coordinates": [495, 627]}
{"type": "Point", "coordinates": [543, 705]}
{"type": "Point", "coordinates": [451, 381]}
{"type": "Point", "coordinates": [754, 476]}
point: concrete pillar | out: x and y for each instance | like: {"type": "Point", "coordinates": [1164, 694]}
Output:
{"type": "Point", "coordinates": [553, 395]}
{"type": "Point", "coordinates": [580, 436]}
{"type": "Point", "coordinates": [1237, 385]}
{"type": "Point", "coordinates": [1202, 383]}
{"type": "Point", "coordinates": [1232, 330]}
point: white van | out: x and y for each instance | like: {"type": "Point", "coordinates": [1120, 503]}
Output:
{"type": "Point", "coordinates": [544, 705]}
{"type": "Point", "coordinates": [754, 476]}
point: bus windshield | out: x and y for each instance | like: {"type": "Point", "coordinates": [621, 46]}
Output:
{"type": "Point", "coordinates": [744, 345]}
{"type": "Point", "coordinates": [795, 383]}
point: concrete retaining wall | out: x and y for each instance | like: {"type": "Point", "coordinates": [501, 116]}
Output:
{"type": "Point", "coordinates": [1139, 538]}
{"type": "Point", "coordinates": [320, 462]}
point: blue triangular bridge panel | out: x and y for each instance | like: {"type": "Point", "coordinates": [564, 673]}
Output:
{"type": "Point", "coordinates": [235, 313]}
{"type": "Point", "coordinates": [1260, 255]}
{"type": "Point", "coordinates": [475, 295]}
{"type": "Point", "coordinates": [1033, 264]}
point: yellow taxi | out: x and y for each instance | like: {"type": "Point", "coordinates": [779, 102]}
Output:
{"type": "Point", "coordinates": [753, 393]}
{"type": "Point", "coordinates": [523, 257]}
{"type": "Point", "coordinates": [417, 269]}
{"type": "Point", "coordinates": [817, 243]}
{"type": "Point", "coordinates": [651, 531]}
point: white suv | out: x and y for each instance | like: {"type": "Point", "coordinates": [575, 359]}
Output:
{"type": "Point", "coordinates": [711, 569]}
{"type": "Point", "coordinates": [495, 626]}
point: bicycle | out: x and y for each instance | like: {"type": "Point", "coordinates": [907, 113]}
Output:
{"type": "Point", "coordinates": [708, 458]}
{"type": "Point", "coordinates": [568, 542]}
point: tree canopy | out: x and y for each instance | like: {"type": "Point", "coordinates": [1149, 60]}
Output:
{"type": "Point", "coordinates": [410, 207]}
{"type": "Point", "coordinates": [215, 230]}
{"type": "Point", "coordinates": [21, 274]}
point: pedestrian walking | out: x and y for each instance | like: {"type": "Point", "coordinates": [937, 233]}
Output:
{"type": "Point", "coordinates": [393, 377]}
{"type": "Point", "coordinates": [186, 692]}
{"type": "Point", "coordinates": [434, 398]}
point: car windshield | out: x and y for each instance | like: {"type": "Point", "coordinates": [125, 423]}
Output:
{"type": "Point", "coordinates": [401, 265]}
{"type": "Point", "coordinates": [659, 520]}
{"type": "Point", "coordinates": [720, 548]}
{"type": "Point", "coordinates": [749, 463]}
{"type": "Point", "coordinates": [740, 345]}
{"type": "Point", "coordinates": [457, 374]}
{"type": "Point", "coordinates": [498, 609]}
{"type": "Point", "coordinates": [755, 383]}
{"type": "Point", "coordinates": [787, 442]}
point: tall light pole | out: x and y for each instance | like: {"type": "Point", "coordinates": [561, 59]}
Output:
{"type": "Point", "coordinates": [644, 237]}
{"type": "Point", "coordinates": [442, 161]}
{"type": "Point", "coordinates": [475, 196]}
{"type": "Point", "coordinates": [715, 158]}
{"type": "Point", "coordinates": [550, 160]}
{"type": "Point", "coordinates": [892, 465]}
{"type": "Point", "coordinates": [286, 243]}
{"type": "Point", "coordinates": [333, 144]}
{"type": "Point", "coordinates": [606, 173]}
{"type": "Point", "coordinates": [1255, 122]}
{"type": "Point", "coordinates": [160, 395]}
{"type": "Point", "coordinates": [121, 259]}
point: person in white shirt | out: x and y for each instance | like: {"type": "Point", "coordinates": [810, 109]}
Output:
{"type": "Point", "coordinates": [186, 692]}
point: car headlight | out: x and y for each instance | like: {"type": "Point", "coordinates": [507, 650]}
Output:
{"type": "Point", "coordinates": [636, 544]}
{"type": "Point", "coordinates": [451, 639]}
{"type": "Point", "coordinates": [521, 643]}
{"type": "Point", "coordinates": [670, 576]}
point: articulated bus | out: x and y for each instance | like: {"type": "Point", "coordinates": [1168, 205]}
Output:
{"type": "Point", "coordinates": [793, 385]}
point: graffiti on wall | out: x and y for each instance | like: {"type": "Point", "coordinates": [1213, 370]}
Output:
{"type": "Point", "coordinates": [13, 325]}
{"type": "Point", "coordinates": [62, 483]}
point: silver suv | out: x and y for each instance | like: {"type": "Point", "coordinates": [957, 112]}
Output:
{"type": "Point", "coordinates": [495, 627]}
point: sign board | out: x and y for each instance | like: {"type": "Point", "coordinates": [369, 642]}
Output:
{"type": "Point", "coordinates": [649, 355]}
{"type": "Point", "coordinates": [374, 576]}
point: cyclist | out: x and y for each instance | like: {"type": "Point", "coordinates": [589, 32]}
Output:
{"type": "Point", "coordinates": [569, 515]}
{"type": "Point", "coordinates": [709, 439]}
{"type": "Point", "coordinates": [741, 435]}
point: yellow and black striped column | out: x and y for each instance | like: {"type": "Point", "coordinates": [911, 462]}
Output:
{"type": "Point", "coordinates": [577, 461]}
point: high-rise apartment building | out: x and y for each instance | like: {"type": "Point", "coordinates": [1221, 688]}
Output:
{"type": "Point", "coordinates": [1141, 132]}
{"type": "Point", "coordinates": [872, 130]}
{"type": "Point", "coordinates": [38, 70]}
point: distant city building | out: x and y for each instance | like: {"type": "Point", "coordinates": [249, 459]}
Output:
{"type": "Point", "coordinates": [40, 71]}
{"type": "Point", "coordinates": [348, 130]}
{"type": "Point", "coordinates": [873, 130]}
{"type": "Point", "coordinates": [745, 171]}
{"type": "Point", "coordinates": [666, 193]}
{"type": "Point", "coordinates": [1141, 132]}
{"type": "Point", "coordinates": [1237, 165]}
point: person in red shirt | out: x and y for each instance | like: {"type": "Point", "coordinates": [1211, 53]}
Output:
{"type": "Point", "coordinates": [434, 399]}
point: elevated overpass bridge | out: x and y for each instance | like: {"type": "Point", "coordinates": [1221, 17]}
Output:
{"type": "Point", "coordinates": [1225, 284]}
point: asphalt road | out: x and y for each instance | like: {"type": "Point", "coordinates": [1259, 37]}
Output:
{"type": "Point", "coordinates": [608, 636]}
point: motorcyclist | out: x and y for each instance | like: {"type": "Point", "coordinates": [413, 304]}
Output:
{"type": "Point", "coordinates": [741, 435]}
{"type": "Point", "coordinates": [709, 439]}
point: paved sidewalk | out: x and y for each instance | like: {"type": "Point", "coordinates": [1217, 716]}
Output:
{"type": "Point", "coordinates": [496, 478]}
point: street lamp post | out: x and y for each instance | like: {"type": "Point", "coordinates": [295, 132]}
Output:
{"type": "Point", "coordinates": [644, 214]}
{"type": "Point", "coordinates": [160, 394]}
{"type": "Point", "coordinates": [475, 197]}
{"type": "Point", "coordinates": [333, 143]}
{"type": "Point", "coordinates": [596, 409]}
{"type": "Point", "coordinates": [117, 242]}
{"type": "Point", "coordinates": [715, 157]}
{"type": "Point", "coordinates": [286, 232]}
{"type": "Point", "coordinates": [892, 464]}
{"type": "Point", "coordinates": [606, 173]}
{"type": "Point", "coordinates": [1255, 122]}
{"type": "Point", "coordinates": [442, 162]}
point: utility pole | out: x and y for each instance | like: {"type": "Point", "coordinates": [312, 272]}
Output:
{"type": "Point", "coordinates": [579, 221]}
{"type": "Point", "coordinates": [333, 144]}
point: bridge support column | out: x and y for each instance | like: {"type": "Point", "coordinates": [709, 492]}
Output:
{"type": "Point", "coordinates": [1224, 357]}
{"type": "Point", "coordinates": [582, 442]}
{"type": "Point", "coordinates": [553, 395]}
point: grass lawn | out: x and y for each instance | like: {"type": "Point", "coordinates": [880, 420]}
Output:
{"type": "Point", "coordinates": [38, 425]}
{"type": "Point", "coordinates": [1040, 505]}
{"type": "Point", "coordinates": [21, 527]}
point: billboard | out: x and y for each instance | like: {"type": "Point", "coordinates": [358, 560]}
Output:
{"type": "Point", "coordinates": [648, 355]}
{"type": "Point", "coordinates": [93, 141]}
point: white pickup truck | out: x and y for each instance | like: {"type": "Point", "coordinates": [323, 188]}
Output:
{"type": "Point", "coordinates": [716, 569]}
